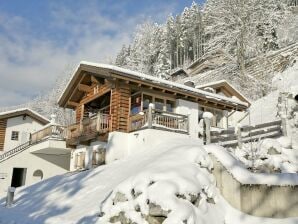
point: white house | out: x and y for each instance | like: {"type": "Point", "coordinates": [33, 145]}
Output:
{"type": "Point", "coordinates": [33, 149]}
{"type": "Point", "coordinates": [16, 126]}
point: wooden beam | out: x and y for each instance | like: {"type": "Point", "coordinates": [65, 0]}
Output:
{"type": "Point", "coordinates": [84, 88]}
{"type": "Point", "coordinates": [94, 80]}
{"type": "Point", "coordinates": [72, 104]}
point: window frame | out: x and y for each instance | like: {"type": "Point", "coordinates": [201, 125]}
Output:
{"type": "Point", "coordinates": [15, 136]}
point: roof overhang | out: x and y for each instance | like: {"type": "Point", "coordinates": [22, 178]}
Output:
{"type": "Point", "coordinates": [24, 111]}
{"type": "Point", "coordinates": [113, 72]}
{"type": "Point", "coordinates": [228, 86]}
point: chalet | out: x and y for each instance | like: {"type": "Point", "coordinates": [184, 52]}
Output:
{"type": "Point", "coordinates": [32, 149]}
{"type": "Point", "coordinates": [112, 107]}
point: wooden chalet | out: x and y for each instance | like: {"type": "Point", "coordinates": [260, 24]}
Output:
{"type": "Point", "coordinates": [107, 98]}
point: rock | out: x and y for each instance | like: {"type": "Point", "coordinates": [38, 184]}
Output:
{"type": "Point", "coordinates": [195, 199]}
{"type": "Point", "coordinates": [120, 218]}
{"type": "Point", "coordinates": [285, 142]}
{"type": "Point", "coordinates": [155, 220]}
{"type": "Point", "coordinates": [119, 197]}
{"type": "Point", "coordinates": [270, 145]}
{"type": "Point", "coordinates": [137, 208]}
{"type": "Point", "coordinates": [156, 210]}
{"type": "Point", "coordinates": [135, 194]}
{"type": "Point", "coordinates": [273, 151]}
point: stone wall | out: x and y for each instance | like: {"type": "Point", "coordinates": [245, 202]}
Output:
{"type": "Point", "coordinates": [258, 200]}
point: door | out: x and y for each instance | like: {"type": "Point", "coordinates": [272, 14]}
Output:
{"type": "Point", "coordinates": [18, 177]}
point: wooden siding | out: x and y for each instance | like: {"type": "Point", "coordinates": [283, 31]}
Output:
{"type": "Point", "coordinates": [3, 124]}
{"type": "Point", "coordinates": [94, 92]}
{"type": "Point", "coordinates": [120, 106]}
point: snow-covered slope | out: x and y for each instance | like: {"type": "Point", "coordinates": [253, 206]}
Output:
{"type": "Point", "coordinates": [171, 169]}
{"type": "Point", "coordinates": [265, 109]}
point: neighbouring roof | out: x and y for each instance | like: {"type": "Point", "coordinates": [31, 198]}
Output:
{"type": "Point", "coordinates": [24, 111]}
{"type": "Point", "coordinates": [178, 71]}
{"type": "Point", "coordinates": [228, 86]}
{"type": "Point", "coordinates": [106, 70]}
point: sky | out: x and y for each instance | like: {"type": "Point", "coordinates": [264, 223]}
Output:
{"type": "Point", "coordinates": [42, 40]}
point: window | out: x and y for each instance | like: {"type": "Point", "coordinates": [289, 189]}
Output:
{"type": "Point", "coordinates": [159, 103]}
{"type": "Point", "coordinates": [15, 135]}
{"type": "Point", "coordinates": [136, 103]}
{"type": "Point", "coordinates": [170, 105]}
{"type": "Point", "coordinates": [146, 101]}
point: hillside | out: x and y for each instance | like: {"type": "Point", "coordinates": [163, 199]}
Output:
{"type": "Point", "coordinates": [169, 174]}
{"type": "Point", "coordinates": [264, 109]}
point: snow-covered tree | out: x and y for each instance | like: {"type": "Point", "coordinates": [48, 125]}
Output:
{"type": "Point", "coordinates": [240, 28]}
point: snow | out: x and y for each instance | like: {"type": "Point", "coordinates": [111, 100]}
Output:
{"type": "Point", "coordinates": [160, 173]}
{"type": "Point", "coordinates": [239, 171]}
{"type": "Point", "coordinates": [221, 82]}
{"type": "Point", "coordinates": [127, 72]}
{"type": "Point", "coordinates": [208, 115]}
{"type": "Point", "coordinates": [265, 109]}
{"type": "Point", "coordinates": [274, 155]}
{"type": "Point", "coordinates": [23, 110]}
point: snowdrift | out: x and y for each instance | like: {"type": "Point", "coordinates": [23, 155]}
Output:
{"type": "Point", "coordinates": [173, 178]}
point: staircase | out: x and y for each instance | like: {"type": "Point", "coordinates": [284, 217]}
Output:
{"type": "Point", "coordinates": [56, 132]}
{"type": "Point", "coordinates": [14, 151]}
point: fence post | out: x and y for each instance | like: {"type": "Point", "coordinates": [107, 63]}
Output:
{"type": "Point", "coordinates": [207, 116]}
{"type": "Point", "coordinates": [150, 109]}
{"type": "Point", "coordinates": [239, 136]}
{"type": "Point", "coordinates": [98, 121]}
{"type": "Point", "coordinates": [10, 196]}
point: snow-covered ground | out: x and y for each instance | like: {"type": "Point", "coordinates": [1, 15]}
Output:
{"type": "Point", "coordinates": [265, 109]}
{"type": "Point", "coordinates": [269, 155]}
{"type": "Point", "coordinates": [169, 174]}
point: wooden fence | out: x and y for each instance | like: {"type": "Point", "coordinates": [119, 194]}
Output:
{"type": "Point", "coordinates": [158, 119]}
{"type": "Point", "coordinates": [232, 137]}
{"type": "Point", "coordinates": [88, 126]}
{"type": "Point", "coordinates": [51, 131]}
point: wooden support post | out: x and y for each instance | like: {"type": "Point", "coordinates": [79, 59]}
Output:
{"type": "Point", "coordinates": [150, 109]}
{"type": "Point", "coordinates": [98, 122]}
{"type": "Point", "coordinates": [284, 126]}
{"type": "Point", "coordinates": [207, 122]}
{"type": "Point", "coordinates": [187, 123]}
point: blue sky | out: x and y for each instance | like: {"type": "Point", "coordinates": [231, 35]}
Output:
{"type": "Point", "coordinates": [41, 40]}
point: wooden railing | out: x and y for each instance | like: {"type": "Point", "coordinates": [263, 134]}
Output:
{"type": "Point", "coordinates": [14, 151]}
{"type": "Point", "coordinates": [160, 120]}
{"type": "Point", "coordinates": [138, 121]}
{"type": "Point", "coordinates": [97, 124]}
{"type": "Point", "coordinates": [51, 131]}
{"type": "Point", "coordinates": [230, 137]}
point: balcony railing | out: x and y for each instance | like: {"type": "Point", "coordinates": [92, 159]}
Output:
{"type": "Point", "coordinates": [152, 118]}
{"type": "Point", "coordinates": [52, 131]}
{"type": "Point", "coordinates": [89, 126]}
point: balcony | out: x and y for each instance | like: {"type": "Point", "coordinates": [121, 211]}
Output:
{"type": "Point", "coordinates": [88, 129]}
{"type": "Point", "coordinates": [49, 140]}
{"type": "Point", "coordinates": [161, 120]}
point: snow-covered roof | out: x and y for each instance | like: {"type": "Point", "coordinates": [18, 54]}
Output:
{"type": "Point", "coordinates": [24, 111]}
{"type": "Point", "coordinates": [223, 82]}
{"type": "Point", "coordinates": [96, 68]}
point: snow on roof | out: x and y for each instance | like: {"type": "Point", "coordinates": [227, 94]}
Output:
{"type": "Point", "coordinates": [219, 82]}
{"type": "Point", "coordinates": [21, 111]}
{"type": "Point", "coordinates": [241, 174]}
{"type": "Point", "coordinates": [144, 77]}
